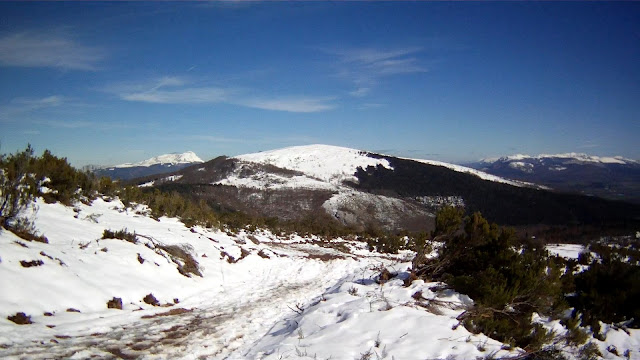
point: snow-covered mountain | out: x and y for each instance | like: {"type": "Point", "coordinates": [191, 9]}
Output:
{"type": "Point", "coordinates": [188, 157]}
{"type": "Point", "coordinates": [362, 189]}
{"type": "Point", "coordinates": [155, 165]}
{"type": "Point", "coordinates": [336, 164]}
{"type": "Point", "coordinates": [612, 177]}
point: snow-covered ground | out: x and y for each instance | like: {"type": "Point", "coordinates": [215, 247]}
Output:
{"type": "Point", "coordinates": [254, 288]}
{"type": "Point", "coordinates": [260, 296]}
{"type": "Point", "coordinates": [569, 251]}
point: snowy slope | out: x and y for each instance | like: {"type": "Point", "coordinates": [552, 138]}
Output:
{"type": "Point", "coordinates": [333, 164]}
{"type": "Point", "coordinates": [259, 297]}
{"type": "Point", "coordinates": [481, 174]}
{"type": "Point", "coordinates": [337, 164]}
{"type": "Point", "coordinates": [166, 159]}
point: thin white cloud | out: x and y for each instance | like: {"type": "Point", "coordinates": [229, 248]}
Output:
{"type": "Point", "coordinates": [361, 91]}
{"type": "Point", "coordinates": [179, 96]}
{"type": "Point", "coordinates": [364, 67]}
{"type": "Point", "coordinates": [175, 90]}
{"type": "Point", "coordinates": [28, 49]}
{"type": "Point", "coordinates": [373, 56]}
{"type": "Point", "coordinates": [83, 124]}
{"type": "Point", "coordinates": [368, 106]}
{"type": "Point", "coordinates": [53, 100]}
{"type": "Point", "coordinates": [20, 106]}
{"type": "Point", "coordinates": [298, 105]}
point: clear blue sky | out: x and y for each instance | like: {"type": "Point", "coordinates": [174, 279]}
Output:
{"type": "Point", "coordinates": [107, 83]}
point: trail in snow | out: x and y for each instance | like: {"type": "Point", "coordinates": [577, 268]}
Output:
{"type": "Point", "coordinates": [222, 325]}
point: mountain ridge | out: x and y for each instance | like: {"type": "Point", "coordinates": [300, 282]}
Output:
{"type": "Point", "coordinates": [616, 178]}
{"type": "Point", "coordinates": [363, 189]}
{"type": "Point", "coordinates": [156, 165]}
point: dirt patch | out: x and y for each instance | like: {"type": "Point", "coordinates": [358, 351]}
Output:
{"type": "Point", "coordinates": [171, 312]}
{"type": "Point", "coordinates": [326, 257]}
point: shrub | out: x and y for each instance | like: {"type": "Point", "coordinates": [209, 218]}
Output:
{"type": "Point", "coordinates": [507, 285]}
{"type": "Point", "coordinates": [151, 300]}
{"type": "Point", "coordinates": [115, 303]}
{"type": "Point", "coordinates": [17, 185]}
{"type": "Point", "coordinates": [20, 319]}
{"type": "Point", "coordinates": [27, 264]}
{"type": "Point", "coordinates": [609, 290]}
{"type": "Point", "coordinates": [187, 265]}
{"type": "Point", "coordinates": [25, 229]}
{"type": "Point", "coordinates": [120, 234]}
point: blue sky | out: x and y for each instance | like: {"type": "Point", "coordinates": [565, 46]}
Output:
{"type": "Point", "coordinates": [107, 83]}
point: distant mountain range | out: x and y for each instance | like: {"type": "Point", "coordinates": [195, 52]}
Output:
{"type": "Point", "coordinates": [156, 165]}
{"type": "Point", "coordinates": [362, 190]}
{"type": "Point", "coordinates": [608, 177]}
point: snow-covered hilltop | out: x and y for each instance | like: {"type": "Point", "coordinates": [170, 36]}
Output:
{"type": "Point", "coordinates": [336, 164]}
{"type": "Point", "coordinates": [155, 165]}
{"type": "Point", "coordinates": [188, 157]}
{"type": "Point", "coordinates": [568, 157]}
{"type": "Point", "coordinates": [325, 162]}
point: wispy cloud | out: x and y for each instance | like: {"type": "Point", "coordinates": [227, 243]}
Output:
{"type": "Point", "coordinates": [176, 90]}
{"type": "Point", "coordinates": [361, 91]}
{"type": "Point", "coordinates": [367, 106]}
{"type": "Point", "coordinates": [382, 62]}
{"type": "Point", "coordinates": [201, 95]}
{"type": "Point", "coordinates": [83, 124]}
{"type": "Point", "coordinates": [21, 106]}
{"type": "Point", "coordinates": [29, 49]}
{"type": "Point", "coordinates": [364, 67]}
{"type": "Point", "coordinates": [299, 104]}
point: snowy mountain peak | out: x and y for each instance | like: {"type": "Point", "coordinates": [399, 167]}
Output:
{"type": "Point", "coordinates": [325, 162]}
{"type": "Point", "coordinates": [166, 159]}
{"type": "Point", "coordinates": [572, 156]}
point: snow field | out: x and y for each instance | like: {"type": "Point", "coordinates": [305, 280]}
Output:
{"type": "Point", "coordinates": [260, 297]}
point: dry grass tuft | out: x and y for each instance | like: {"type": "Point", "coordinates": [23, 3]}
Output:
{"type": "Point", "coordinates": [171, 312]}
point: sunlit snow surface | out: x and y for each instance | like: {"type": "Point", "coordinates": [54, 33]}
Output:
{"type": "Point", "coordinates": [329, 164]}
{"type": "Point", "coordinates": [569, 251]}
{"type": "Point", "coordinates": [282, 298]}
{"type": "Point", "coordinates": [325, 162]}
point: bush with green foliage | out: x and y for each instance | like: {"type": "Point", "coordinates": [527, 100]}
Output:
{"type": "Point", "coordinates": [18, 186]}
{"type": "Point", "coordinates": [507, 284]}
{"type": "Point", "coordinates": [120, 234]}
{"type": "Point", "coordinates": [609, 289]}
